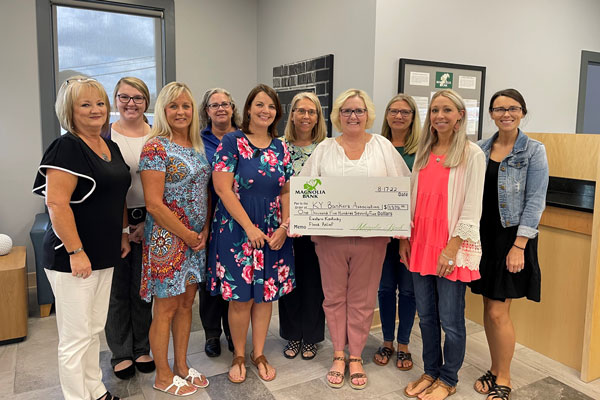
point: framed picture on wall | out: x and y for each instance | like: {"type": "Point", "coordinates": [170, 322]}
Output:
{"type": "Point", "coordinates": [421, 79]}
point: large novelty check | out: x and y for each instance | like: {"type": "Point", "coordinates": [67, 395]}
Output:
{"type": "Point", "coordinates": [350, 206]}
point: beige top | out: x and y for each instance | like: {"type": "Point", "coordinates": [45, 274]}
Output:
{"type": "Point", "coordinates": [131, 148]}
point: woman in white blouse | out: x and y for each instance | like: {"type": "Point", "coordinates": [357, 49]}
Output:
{"type": "Point", "coordinates": [351, 266]}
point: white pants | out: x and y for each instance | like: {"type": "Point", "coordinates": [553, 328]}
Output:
{"type": "Point", "coordinates": [81, 309]}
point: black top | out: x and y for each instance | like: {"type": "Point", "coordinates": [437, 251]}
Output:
{"type": "Point", "coordinates": [97, 201]}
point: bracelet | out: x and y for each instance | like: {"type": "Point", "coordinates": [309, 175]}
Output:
{"type": "Point", "coordinates": [450, 261]}
{"type": "Point", "coordinates": [520, 248]}
{"type": "Point", "coordinates": [79, 250]}
{"type": "Point", "coordinates": [284, 226]}
{"type": "Point", "coordinates": [126, 230]}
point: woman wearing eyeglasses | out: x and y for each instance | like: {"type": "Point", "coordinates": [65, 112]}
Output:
{"type": "Point", "coordinates": [351, 266]}
{"type": "Point", "coordinates": [444, 248]}
{"type": "Point", "coordinates": [84, 180]}
{"type": "Point", "coordinates": [301, 316]}
{"type": "Point", "coordinates": [250, 258]}
{"type": "Point", "coordinates": [514, 198]}
{"type": "Point", "coordinates": [218, 116]}
{"type": "Point", "coordinates": [175, 175]}
{"type": "Point", "coordinates": [129, 317]}
{"type": "Point", "coordinates": [402, 127]}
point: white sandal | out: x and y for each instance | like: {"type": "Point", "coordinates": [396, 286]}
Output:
{"type": "Point", "coordinates": [193, 374]}
{"type": "Point", "coordinates": [179, 383]}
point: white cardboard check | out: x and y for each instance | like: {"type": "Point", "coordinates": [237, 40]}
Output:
{"type": "Point", "coordinates": [350, 206]}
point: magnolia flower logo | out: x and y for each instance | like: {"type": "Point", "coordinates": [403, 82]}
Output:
{"type": "Point", "coordinates": [312, 184]}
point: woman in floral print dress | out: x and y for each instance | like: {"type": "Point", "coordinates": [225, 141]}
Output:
{"type": "Point", "coordinates": [250, 257]}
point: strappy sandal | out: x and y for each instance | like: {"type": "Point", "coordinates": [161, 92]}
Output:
{"type": "Point", "coordinates": [487, 380]}
{"type": "Point", "coordinates": [357, 375]}
{"type": "Point", "coordinates": [439, 384]}
{"type": "Point", "coordinates": [108, 396]}
{"type": "Point", "coordinates": [194, 374]}
{"type": "Point", "coordinates": [384, 352]}
{"type": "Point", "coordinates": [178, 382]}
{"type": "Point", "coordinates": [309, 348]}
{"type": "Point", "coordinates": [423, 378]}
{"type": "Point", "coordinates": [401, 357]}
{"type": "Point", "coordinates": [500, 392]}
{"type": "Point", "coordinates": [336, 374]}
{"type": "Point", "coordinates": [293, 346]}
{"type": "Point", "coordinates": [261, 360]}
{"type": "Point", "coordinates": [239, 361]}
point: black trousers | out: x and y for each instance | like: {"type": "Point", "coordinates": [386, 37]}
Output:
{"type": "Point", "coordinates": [129, 317]}
{"type": "Point", "coordinates": [213, 312]}
{"type": "Point", "coordinates": [301, 315]}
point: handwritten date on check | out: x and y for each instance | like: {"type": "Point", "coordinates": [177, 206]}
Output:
{"type": "Point", "coordinates": [350, 206]}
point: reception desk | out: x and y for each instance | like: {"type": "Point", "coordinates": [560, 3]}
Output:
{"type": "Point", "coordinates": [565, 325]}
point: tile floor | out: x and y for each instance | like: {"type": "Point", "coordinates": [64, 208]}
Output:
{"type": "Point", "coordinates": [28, 370]}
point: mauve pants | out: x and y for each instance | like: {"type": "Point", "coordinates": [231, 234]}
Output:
{"type": "Point", "coordinates": [350, 273]}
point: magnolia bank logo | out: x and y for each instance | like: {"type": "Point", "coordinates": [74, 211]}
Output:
{"type": "Point", "coordinates": [310, 189]}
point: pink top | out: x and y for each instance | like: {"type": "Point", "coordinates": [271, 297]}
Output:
{"type": "Point", "coordinates": [430, 232]}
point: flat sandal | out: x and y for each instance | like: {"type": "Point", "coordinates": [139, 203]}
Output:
{"type": "Point", "coordinates": [438, 383]}
{"type": "Point", "coordinates": [357, 375]}
{"type": "Point", "coordinates": [487, 380]}
{"type": "Point", "coordinates": [262, 360]}
{"type": "Point", "coordinates": [239, 361]}
{"type": "Point", "coordinates": [423, 378]}
{"type": "Point", "coordinates": [500, 392]}
{"type": "Point", "coordinates": [336, 374]}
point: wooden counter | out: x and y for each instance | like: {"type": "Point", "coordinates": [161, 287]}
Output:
{"type": "Point", "coordinates": [13, 295]}
{"type": "Point", "coordinates": [565, 325]}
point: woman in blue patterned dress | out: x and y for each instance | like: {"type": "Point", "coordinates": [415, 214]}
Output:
{"type": "Point", "coordinates": [301, 316]}
{"type": "Point", "coordinates": [250, 257]}
{"type": "Point", "coordinates": [175, 174]}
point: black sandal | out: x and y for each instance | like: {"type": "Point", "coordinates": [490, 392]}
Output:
{"type": "Point", "coordinates": [108, 396]}
{"type": "Point", "coordinates": [401, 357]}
{"type": "Point", "coordinates": [309, 348]}
{"type": "Point", "coordinates": [500, 392]}
{"type": "Point", "coordinates": [293, 346]}
{"type": "Point", "coordinates": [385, 353]}
{"type": "Point", "coordinates": [487, 380]}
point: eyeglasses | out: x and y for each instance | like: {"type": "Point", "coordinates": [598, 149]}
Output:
{"type": "Point", "coordinates": [394, 111]}
{"type": "Point", "coordinates": [215, 106]}
{"type": "Point", "coordinates": [347, 112]}
{"type": "Point", "coordinates": [499, 111]}
{"type": "Point", "coordinates": [123, 98]}
{"type": "Point", "coordinates": [303, 111]}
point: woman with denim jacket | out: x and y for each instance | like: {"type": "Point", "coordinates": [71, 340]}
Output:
{"type": "Point", "coordinates": [513, 200]}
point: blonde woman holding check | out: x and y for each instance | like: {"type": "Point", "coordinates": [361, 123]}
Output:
{"type": "Point", "coordinates": [351, 266]}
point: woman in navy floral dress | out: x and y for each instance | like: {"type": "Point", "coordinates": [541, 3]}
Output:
{"type": "Point", "coordinates": [250, 256]}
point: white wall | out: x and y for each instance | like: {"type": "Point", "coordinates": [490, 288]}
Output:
{"type": "Point", "coordinates": [534, 46]}
{"type": "Point", "coordinates": [20, 130]}
{"type": "Point", "coordinates": [200, 32]}
{"type": "Point", "coordinates": [216, 45]}
{"type": "Point", "coordinates": [291, 31]}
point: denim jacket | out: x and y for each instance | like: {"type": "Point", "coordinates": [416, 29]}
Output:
{"type": "Point", "coordinates": [522, 183]}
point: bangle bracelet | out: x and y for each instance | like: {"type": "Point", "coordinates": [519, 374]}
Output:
{"type": "Point", "coordinates": [79, 250]}
{"type": "Point", "coordinates": [520, 248]}
{"type": "Point", "coordinates": [284, 226]}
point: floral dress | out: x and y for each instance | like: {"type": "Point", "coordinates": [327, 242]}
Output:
{"type": "Point", "coordinates": [169, 265]}
{"type": "Point", "coordinates": [299, 154]}
{"type": "Point", "coordinates": [236, 270]}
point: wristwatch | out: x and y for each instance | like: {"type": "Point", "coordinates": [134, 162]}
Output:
{"type": "Point", "coordinates": [126, 230]}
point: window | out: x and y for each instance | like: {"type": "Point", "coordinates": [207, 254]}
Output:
{"type": "Point", "coordinates": [103, 41]}
{"type": "Point", "coordinates": [588, 118]}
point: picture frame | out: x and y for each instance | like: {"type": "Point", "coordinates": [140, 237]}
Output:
{"type": "Point", "coordinates": [421, 79]}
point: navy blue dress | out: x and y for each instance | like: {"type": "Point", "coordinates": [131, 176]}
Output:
{"type": "Point", "coordinates": [236, 270]}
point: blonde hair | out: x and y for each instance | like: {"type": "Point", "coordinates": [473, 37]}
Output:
{"type": "Point", "coordinates": [236, 121]}
{"type": "Point", "coordinates": [161, 127]}
{"type": "Point", "coordinates": [69, 93]}
{"type": "Point", "coordinates": [341, 99]}
{"type": "Point", "coordinates": [411, 141]}
{"type": "Point", "coordinates": [457, 153]}
{"type": "Point", "coordinates": [319, 131]}
{"type": "Point", "coordinates": [137, 84]}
